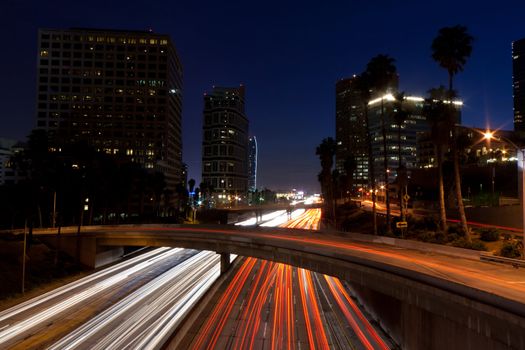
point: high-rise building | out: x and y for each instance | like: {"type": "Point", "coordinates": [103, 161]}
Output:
{"type": "Point", "coordinates": [9, 174]}
{"type": "Point", "coordinates": [415, 124]}
{"type": "Point", "coordinates": [518, 83]}
{"type": "Point", "coordinates": [118, 90]}
{"type": "Point", "coordinates": [252, 164]}
{"type": "Point", "coordinates": [225, 144]}
{"type": "Point", "coordinates": [351, 132]}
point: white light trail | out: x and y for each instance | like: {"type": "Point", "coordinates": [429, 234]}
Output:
{"type": "Point", "coordinates": [42, 316]}
{"type": "Point", "coordinates": [71, 286]}
{"type": "Point", "coordinates": [281, 219]}
{"type": "Point", "coordinates": [145, 318]}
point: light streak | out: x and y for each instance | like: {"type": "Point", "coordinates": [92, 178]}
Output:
{"type": "Point", "coordinates": [69, 302]}
{"type": "Point", "coordinates": [145, 318]}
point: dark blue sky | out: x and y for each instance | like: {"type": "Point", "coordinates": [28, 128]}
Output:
{"type": "Point", "coordinates": [288, 54]}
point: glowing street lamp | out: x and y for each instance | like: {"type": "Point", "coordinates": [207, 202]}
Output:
{"type": "Point", "coordinates": [489, 135]}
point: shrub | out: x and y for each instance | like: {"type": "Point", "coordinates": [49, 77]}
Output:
{"type": "Point", "coordinates": [510, 250]}
{"type": "Point", "coordinates": [455, 230]}
{"type": "Point", "coordinates": [489, 234]}
{"type": "Point", "coordinates": [507, 236]}
{"type": "Point", "coordinates": [474, 245]}
{"type": "Point", "coordinates": [431, 237]}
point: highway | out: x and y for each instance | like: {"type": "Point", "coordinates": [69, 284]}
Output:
{"type": "Point", "coordinates": [271, 305]}
{"type": "Point", "coordinates": [145, 296]}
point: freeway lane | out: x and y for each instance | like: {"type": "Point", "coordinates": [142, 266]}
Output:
{"type": "Point", "coordinates": [271, 305]}
{"type": "Point", "coordinates": [144, 318]}
{"type": "Point", "coordinates": [42, 320]}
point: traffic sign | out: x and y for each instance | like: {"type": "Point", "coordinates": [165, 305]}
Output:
{"type": "Point", "coordinates": [401, 224]}
{"type": "Point", "coordinates": [406, 197]}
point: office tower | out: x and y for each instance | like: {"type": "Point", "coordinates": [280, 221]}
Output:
{"type": "Point", "coordinates": [10, 174]}
{"type": "Point", "coordinates": [415, 125]}
{"type": "Point", "coordinates": [351, 132]}
{"type": "Point", "coordinates": [118, 90]}
{"type": "Point", "coordinates": [252, 164]}
{"type": "Point", "coordinates": [225, 144]}
{"type": "Point", "coordinates": [518, 83]}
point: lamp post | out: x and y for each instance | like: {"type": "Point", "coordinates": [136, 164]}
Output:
{"type": "Point", "coordinates": [489, 135]}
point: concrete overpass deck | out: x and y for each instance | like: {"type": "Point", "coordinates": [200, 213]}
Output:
{"type": "Point", "coordinates": [420, 294]}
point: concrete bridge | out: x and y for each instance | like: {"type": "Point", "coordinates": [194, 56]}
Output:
{"type": "Point", "coordinates": [426, 297]}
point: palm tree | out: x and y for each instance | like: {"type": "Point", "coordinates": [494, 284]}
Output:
{"type": "Point", "coordinates": [363, 84]}
{"type": "Point", "coordinates": [400, 115]}
{"type": "Point", "coordinates": [435, 111]}
{"type": "Point", "coordinates": [326, 152]}
{"type": "Point", "coordinates": [382, 74]}
{"type": "Point", "coordinates": [451, 49]}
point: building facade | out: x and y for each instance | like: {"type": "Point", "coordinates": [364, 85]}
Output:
{"type": "Point", "coordinates": [225, 144]}
{"type": "Point", "coordinates": [252, 164]}
{"type": "Point", "coordinates": [119, 90]}
{"type": "Point", "coordinates": [350, 129]}
{"type": "Point", "coordinates": [518, 83]}
{"type": "Point", "coordinates": [404, 136]}
{"type": "Point", "coordinates": [9, 174]}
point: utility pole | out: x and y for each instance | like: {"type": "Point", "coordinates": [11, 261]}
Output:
{"type": "Point", "coordinates": [54, 209]}
{"type": "Point", "coordinates": [24, 258]}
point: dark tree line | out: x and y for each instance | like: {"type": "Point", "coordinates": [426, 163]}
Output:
{"type": "Point", "coordinates": [63, 185]}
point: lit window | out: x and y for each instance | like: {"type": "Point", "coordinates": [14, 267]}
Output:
{"type": "Point", "coordinates": [44, 53]}
{"type": "Point", "coordinates": [164, 42]}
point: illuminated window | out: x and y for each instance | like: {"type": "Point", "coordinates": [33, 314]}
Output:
{"type": "Point", "coordinates": [44, 53]}
{"type": "Point", "coordinates": [164, 42]}
{"type": "Point", "coordinates": [142, 41]}
{"type": "Point", "coordinates": [153, 41]}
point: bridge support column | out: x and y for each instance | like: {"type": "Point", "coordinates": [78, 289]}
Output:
{"type": "Point", "coordinates": [225, 262]}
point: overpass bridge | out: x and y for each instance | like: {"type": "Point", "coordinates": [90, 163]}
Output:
{"type": "Point", "coordinates": [425, 300]}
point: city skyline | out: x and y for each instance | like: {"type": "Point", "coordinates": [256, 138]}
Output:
{"type": "Point", "coordinates": [288, 61]}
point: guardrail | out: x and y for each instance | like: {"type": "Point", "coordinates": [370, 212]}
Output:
{"type": "Point", "coordinates": [500, 259]}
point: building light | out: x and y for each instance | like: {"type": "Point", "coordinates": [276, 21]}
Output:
{"type": "Point", "coordinates": [414, 98]}
{"type": "Point", "coordinates": [387, 97]}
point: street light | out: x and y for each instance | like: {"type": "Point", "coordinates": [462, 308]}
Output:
{"type": "Point", "coordinates": [489, 135]}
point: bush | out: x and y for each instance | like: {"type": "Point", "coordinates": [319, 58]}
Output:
{"type": "Point", "coordinates": [474, 245]}
{"type": "Point", "coordinates": [431, 237]}
{"type": "Point", "coordinates": [426, 223]}
{"type": "Point", "coordinates": [510, 250]}
{"type": "Point", "coordinates": [455, 230]}
{"type": "Point", "coordinates": [489, 234]}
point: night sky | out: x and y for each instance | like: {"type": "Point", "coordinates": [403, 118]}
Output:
{"type": "Point", "coordinates": [288, 55]}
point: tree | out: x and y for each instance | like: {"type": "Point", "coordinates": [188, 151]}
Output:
{"type": "Point", "coordinates": [326, 152]}
{"type": "Point", "coordinates": [436, 111]}
{"type": "Point", "coordinates": [451, 49]}
{"type": "Point", "coordinates": [382, 74]}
